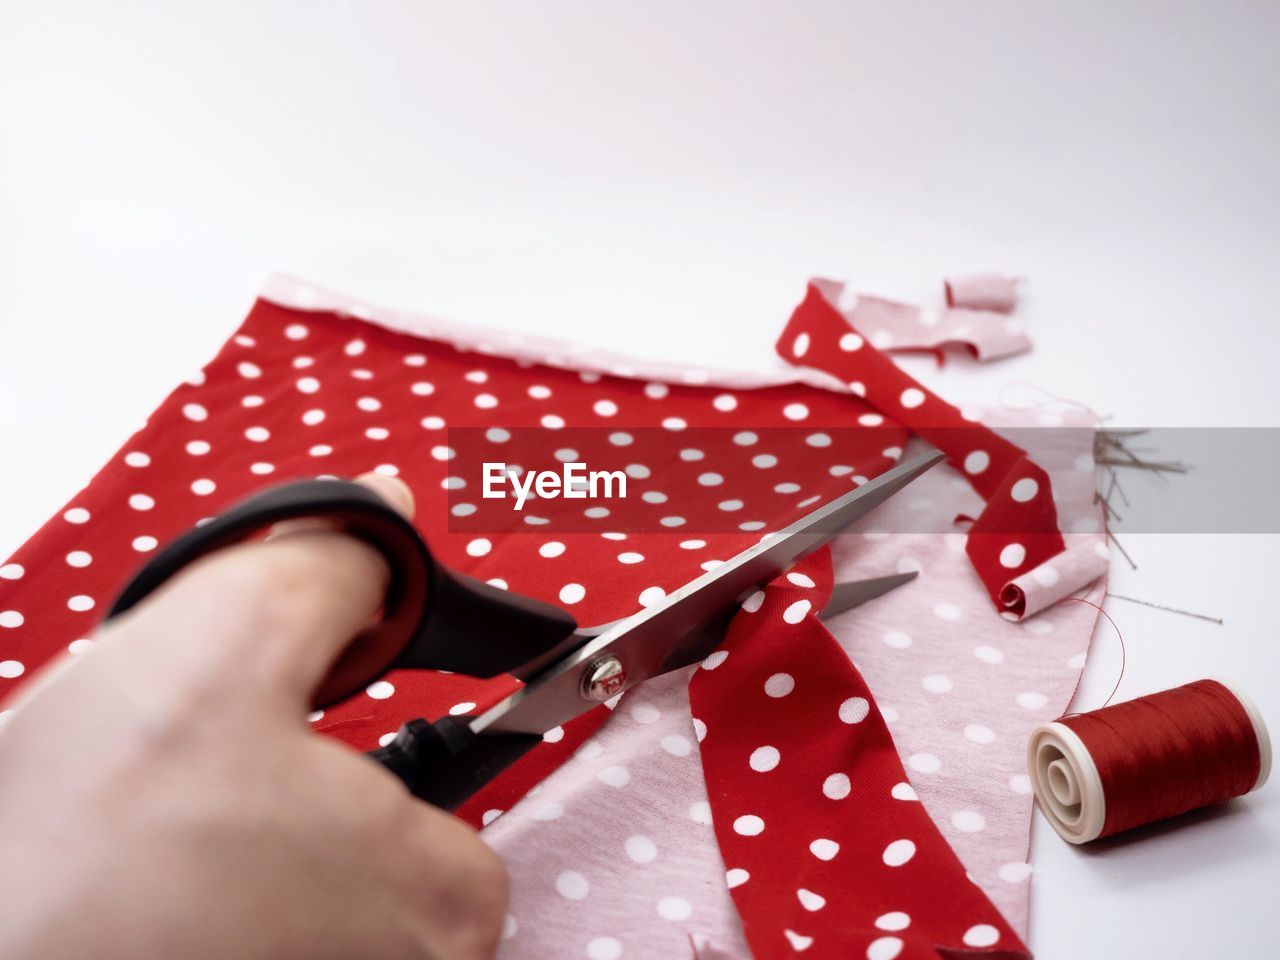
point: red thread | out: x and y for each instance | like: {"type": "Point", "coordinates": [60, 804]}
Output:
{"type": "Point", "coordinates": [1124, 654]}
{"type": "Point", "coordinates": [1170, 752]}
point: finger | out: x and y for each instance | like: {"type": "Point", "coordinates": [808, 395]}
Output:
{"type": "Point", "coordinates": [272, 615]}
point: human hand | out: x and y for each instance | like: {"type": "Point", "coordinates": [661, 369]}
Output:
{"type": "Point", "coordinates": [164, 797]}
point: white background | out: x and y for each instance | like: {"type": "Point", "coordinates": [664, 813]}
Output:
{"type": "Point", "coordinates": [661, 178]}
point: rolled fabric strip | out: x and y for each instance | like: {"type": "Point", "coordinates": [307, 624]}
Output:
{"type": "Point", "coordinates": [982, 291]}
{"type": "Point", "coordinates": [1058, 577]}
{"type": "Point", "coordinates": [1100, 773]}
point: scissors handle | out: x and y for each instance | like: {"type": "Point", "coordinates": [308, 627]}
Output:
{"type": "Point", "coordinates": [445, 763]}
{"type": "Point", "coordinates": [433, 618]}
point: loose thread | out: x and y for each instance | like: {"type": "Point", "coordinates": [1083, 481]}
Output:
{"type": "Point", "coordinates": [1124, 654]}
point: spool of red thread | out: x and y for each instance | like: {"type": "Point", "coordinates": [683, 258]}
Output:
{"type": "Point", "coordinates": [1100, 773]}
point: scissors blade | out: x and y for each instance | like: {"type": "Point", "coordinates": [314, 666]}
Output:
{"type": "Point", "coordinates": [674, 632]}
{"type": "Point", "coordinates": [854, 593]}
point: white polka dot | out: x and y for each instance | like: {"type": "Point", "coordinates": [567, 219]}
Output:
{"type": "Point", "coordinates": [307, 384]}
{"type": "Point", "coordinates": [203, 487]}
{"type": "Point", "coordinates": [605, 408]}
{"type": "Point", "coordinates": [786, 488]}
{"type": "Point", "coordinates": [461, 709]}
{"type": "Point", "coordinates": [604, 948]}
{"type": "Point", "coordinates": [870, 419]}
{"type": "Point", "coordinates": [745, 438]}
{"type": "Point", "coordinates": [12, 571]}
{"type": "Point", "coordinates": [795, 411]}
{"type": "Point", "coordinates": [262, 469]}
{"type": "Point", "coordinates": [572, 592]}
{"type": "Point", "coordinates": [824, 849]}
{"type": "Point", "coordinates": [1012, 555]}
{"type": "Point", "coordinates": [764, 759]}
{"type": "Point", "coordinates": [801, 345]}
{"type": "Point", "coordinates": [736, 877]}
{"type": "Point", "coordinates": [320, 450]}
{"type": "Point", "coordinates": [354, 348]}
{"type": "Point", "coordinates": [897, 639]}
{"type": "Point", "coordinates": [977, 733]}
{"type": "Point", "coordinates": [911, 398]}
{"type": "Point", "coordinates": [898, 853]}
{"type": "Point", "coordinates": [80, 603]}
{"type": "Point", "coordinates": [645, 713]}
{"type": "Point", "coordinates": [651, 595]}
{"type": "Point", "coordinates": [981, 935]}
{"type": "Point", "coordinates": [884, 948]}
{"type": "Point", "coordinates": [79, 558]}
{"type": "Point", "coordinates": [641, 849]}
{"type": "Point", "coordinates": [977, 461]}
{"type": "Point", "coordinates": [140, 501]}
{"type": "Point", "coordinates": [903, 791]}
{"type": "Point", "coordinates": [714, 660]}
{"type": "Point", "coordinates": [630, 557]}
{"type": "Point", "coordinates": [258, 434]}
{"type": "Point", "coordinates": [380, 690]}
{"type": "Point", "coordinates": [11, 669]}
{"type": "Point", "coordinates": [849, 342]}
{"type": "Point", "coordinates": [969, 821]}
{"type": "Point", "coordinates": [725, 402]}
{"type": "Point", "coordinates": [1020, 783]}
{"type": "Point", "coordinates": [572, 885]}
{"type": "Point", "coordinates": [1014, 872]}
{"type": "Point", "coordinates": [924, 763]}
{"type": "Point", "coordinates": [548, 812]}
{"type": "Point", "coordinates": [836, 786]}
{"type": "Point", "coordinates": [76, 515]}
{"type": "Point", "coordinates": [433, 423]}
{"type": "Point", "coordinates": [552, 422]}
{"type": "Point", "coordinates": [988, 654]}
{"type": "Point", "coordinates": [799, 942]}
{"type": "Point", "coordinates": [779, 685]}
{"type": "Point", "coordinates": [554, 735]}
{"type": "Point", "coordinates": [479, 547]}
{"type": "Point", "coordinates": [700, 812]}
{"type": "Point", "coordinates": [674, 423]}
{"type": "Point", "coordinates": [551, 549]}
{"type": "Point", "coordinates": [797, 611]}
{"type": "Point", "coordinates": [1045, 575]}
{"type": "Point", "coordinates": [895, 920]}
{"type": "Point", "coordinates": [710, 479]}
{"type": "Point", "coordinates": [809, 900]}
{"type": "Point", "coordinates": [136, 459]}
{"type": "Point", "coordinates": [1032, 701]}
{"type": "Point", "coordinates": [11, 619]}
{"type": "Point", "coordinates": [145, 544]}
{"type": "Point", "coordinates": [1024, 490]}
{"type": "Point", "coordinates": [674, 909]}
{"type": "Point", "coordinates": [676, 745]}
{"type": "Point", "coordinates": [699, 729]}
{"type": "Point", "coordinates": [614, 776]}
{"type": "Point", "coordinates": [947, 611]}
{"type": "Point", "coordinates": [854, 710]}
{"type": "Point", "coordinates": [937, 683]}
{"type": "Point", "coordinates": [295, 331]}
{"type": "Point", "coordinates": [748, 825]}
{"type": "Point", "coordinates": [81, 646]}
{"type": "Point", "coordinates": [195, 412]}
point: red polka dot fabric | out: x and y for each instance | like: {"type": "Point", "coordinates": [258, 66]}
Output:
{"type": "Point", "coordinates": [1018, 530]}
{"type": "Point", "coordinates": [298, 393]}
{"type": "Point", "coordinates": [829, 852]}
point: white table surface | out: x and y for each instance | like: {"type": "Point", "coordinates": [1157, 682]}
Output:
{"type": "Point", "coordinates": [661, 179]}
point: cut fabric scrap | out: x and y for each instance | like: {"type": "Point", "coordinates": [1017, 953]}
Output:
{"type": "Point", "coordinates": [1018, 529]}
{"type": "Point", "coordinates": [808, 775]}
{"type": "Point", "coordinates": [982, 291]}
{"type": "Point", "coordinates": [989, 334]}
{"type": "Point", "coordinates": [1072, 570]}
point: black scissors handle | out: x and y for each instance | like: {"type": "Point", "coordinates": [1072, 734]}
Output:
{"type": "Point", "coordinates": [433, 619]}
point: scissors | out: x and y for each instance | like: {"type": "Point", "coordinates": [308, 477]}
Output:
{"type": "Point", "coordinates": [437, 619]}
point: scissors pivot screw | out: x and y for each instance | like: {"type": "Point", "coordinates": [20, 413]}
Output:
{"type": "Point", "coordinates": [604, 679]}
